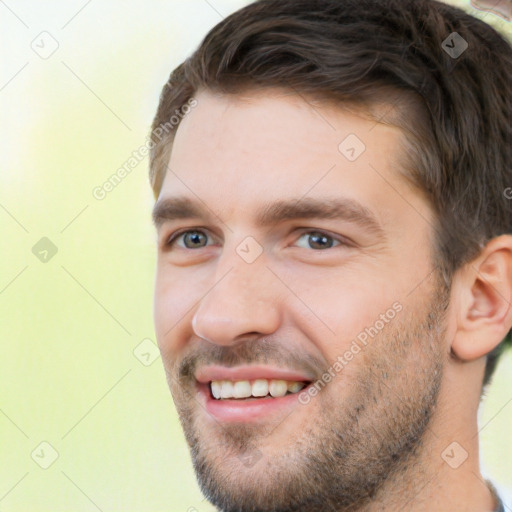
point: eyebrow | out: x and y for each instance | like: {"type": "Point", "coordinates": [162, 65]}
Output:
{"type": "Point", "coordinates": [350, 210]}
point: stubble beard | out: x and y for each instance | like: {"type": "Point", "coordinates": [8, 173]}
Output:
{"type": "Point", "coordinates": [351, 452]}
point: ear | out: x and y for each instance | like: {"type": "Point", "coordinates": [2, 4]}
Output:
{"type": "Point", "coordinates": [484, 293]}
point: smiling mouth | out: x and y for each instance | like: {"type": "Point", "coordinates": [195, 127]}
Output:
{"type": "Point", "coordinates": [254, 389]}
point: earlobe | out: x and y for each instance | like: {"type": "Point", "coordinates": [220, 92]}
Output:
{"type": "Point", "coordinates": [485, 312]}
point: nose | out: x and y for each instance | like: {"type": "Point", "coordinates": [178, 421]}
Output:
{"type": "Point", "coordinates": [243, 301]}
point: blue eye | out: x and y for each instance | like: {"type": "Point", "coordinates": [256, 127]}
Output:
{"type": "Point", "coordinates": [192, 239]}
{"type": "Point", "coordinates": [319, 240]}
{"type": "Point", "coordinates": [197, 239]}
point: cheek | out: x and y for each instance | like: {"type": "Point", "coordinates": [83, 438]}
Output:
{"type": "Point", "coordinates": [336, 309]}
{"type": "Point", "coordinates": [172, 306]}
{"type": "Point", "coordinates": [361, 307]}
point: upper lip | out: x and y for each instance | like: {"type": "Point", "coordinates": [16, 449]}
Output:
{"type": "Point", "coordinates": [208, 373]}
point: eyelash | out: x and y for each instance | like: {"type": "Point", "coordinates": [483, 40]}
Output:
{"type": "Point", "coordinates": [170, 241]}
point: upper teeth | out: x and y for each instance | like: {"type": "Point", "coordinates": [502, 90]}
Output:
{"type": "Point", "coordinates": [256, 388]}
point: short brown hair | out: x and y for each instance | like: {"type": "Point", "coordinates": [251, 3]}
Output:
{"type": "Point", "coordinates": [455, 109]}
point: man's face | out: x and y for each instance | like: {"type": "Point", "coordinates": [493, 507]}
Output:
{"type": "Point", "coordinates": [253, 293]}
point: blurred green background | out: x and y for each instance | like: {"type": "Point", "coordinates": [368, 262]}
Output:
{"type": "Point", "coordinates": [86, 419]}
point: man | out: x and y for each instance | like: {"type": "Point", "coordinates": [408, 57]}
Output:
{"type": "Point", "coordinates": [335, 254]}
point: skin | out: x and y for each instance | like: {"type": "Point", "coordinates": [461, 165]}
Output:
{"type": "Point", "coordinates": [373, 438]}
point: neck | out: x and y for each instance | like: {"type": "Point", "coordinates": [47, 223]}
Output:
{"type": "Point", "coordinates": [445, 472]}
{"type": "Point", "coordinates": [440, 484]}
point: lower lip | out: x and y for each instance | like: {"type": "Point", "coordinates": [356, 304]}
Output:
{"type": "Point", "coordinates": [245, 411]}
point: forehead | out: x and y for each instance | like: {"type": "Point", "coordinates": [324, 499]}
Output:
{"type": "Point", "coordinates": [234, 152]}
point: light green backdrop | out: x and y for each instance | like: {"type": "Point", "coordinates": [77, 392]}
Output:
{"type": "Point", "coordinates": [79, 368]}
